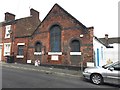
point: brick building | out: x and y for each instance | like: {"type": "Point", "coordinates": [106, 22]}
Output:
{"type": "Point", "coordinates": [15, 35]}
{"type": "Point", "coordinates": [58, 39]}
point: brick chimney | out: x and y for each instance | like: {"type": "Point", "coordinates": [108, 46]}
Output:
{"type": "Point", "coordinates": [9, 16]}
{"type": "Point", "coordinates": [106, 39]}
{"type": "Point", "coordinates": [106, 36]}
{"type": "Point", "coordinates": [34, 13]}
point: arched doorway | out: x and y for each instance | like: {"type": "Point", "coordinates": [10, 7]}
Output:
{"type": "Point", "coordinates": [38, 51]}
{"type": "Point", "coordinates": [38, 47]}
{"type": "Point", "coordinates": [75, 54]}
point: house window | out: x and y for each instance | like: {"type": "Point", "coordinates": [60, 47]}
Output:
{"type": "Point", "coordinates": [7, 47]}
{"type": "Point", "coordinates": [38, 47]}
{"type": "Point", "coordinates": [20, 50]}
{"type": "Point", "coordinates": [75, 46]}
{"type": "Point", "coordinates": [7, 31]}
{"type": "Point", "coordinates": [55, 38]}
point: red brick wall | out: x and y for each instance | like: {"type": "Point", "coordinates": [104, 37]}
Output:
{"type": "Point", "coordinates": [21, 40]}
{"type": "Point", "coordinates": [69, 32]}
{"type": "Point", "coordinates": [70, 29]}
{"type": "Point", "coordinates": [21, 28]}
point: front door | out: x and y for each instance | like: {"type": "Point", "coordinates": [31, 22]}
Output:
{"type": "Point", "coordinates": [75, 60]}
{"type": "Point", "coordinates": [75, 54]}
{"type": "Point", "coordinates": [0, 52]}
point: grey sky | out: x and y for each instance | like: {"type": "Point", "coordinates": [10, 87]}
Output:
{"type": "Point", "coordinates": [102, 14]}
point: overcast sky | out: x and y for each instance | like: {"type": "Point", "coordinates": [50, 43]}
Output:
{"type": "Point", "coordinates": [101, 14]}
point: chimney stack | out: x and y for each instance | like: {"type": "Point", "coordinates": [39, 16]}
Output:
{"type": "Point", "coordinates": [34, 13]}
{"type": "Point", "coordinates": [9, 16]}
{"type": "Point", "coordinates": [106, 38]}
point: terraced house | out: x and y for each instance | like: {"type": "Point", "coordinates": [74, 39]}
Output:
{"type": "Point", "coordinates": [15, 35]}
{"type": "Point", "coordinates": [59, 39]}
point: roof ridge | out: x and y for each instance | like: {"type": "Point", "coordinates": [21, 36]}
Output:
{"type": "Point", "coordinates": [70, 15]}
{"type": "Point", "coordinates": [56, 4]}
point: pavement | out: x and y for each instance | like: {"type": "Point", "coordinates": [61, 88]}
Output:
{"type": "Point", "coordinates": [47, 70]}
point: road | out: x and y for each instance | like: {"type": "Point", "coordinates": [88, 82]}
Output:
{"type": "Point", "coordinates": [21, 78]}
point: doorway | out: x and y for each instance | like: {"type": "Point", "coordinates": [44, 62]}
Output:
{"type": "Point", "coordinates": [0, 52]}
{"type": "Point", "coordinates": [75, 54]}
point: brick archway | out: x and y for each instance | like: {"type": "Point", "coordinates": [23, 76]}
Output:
{"type": "Point", "coordinates": [75, 52]}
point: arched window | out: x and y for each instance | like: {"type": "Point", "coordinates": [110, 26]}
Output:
{"type": "Point", "coordinates": [38, 47]}
{"type": "Point", "coordinates": [55, 38]}
{"type": "Point", "coordinates": [75, 46]}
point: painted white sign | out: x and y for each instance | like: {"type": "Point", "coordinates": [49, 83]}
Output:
{"type": "Point", "coordinates": [90, 64]}
{"type": "Point", "coordinates": [28, 61]}
{"type": "Point", "coordinates": [75, 53]}
{"type": "Point", "coordinates": [54, 57]}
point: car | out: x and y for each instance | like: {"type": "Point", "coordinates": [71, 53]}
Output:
{"type": "Point", "coordinates": [108, 73]}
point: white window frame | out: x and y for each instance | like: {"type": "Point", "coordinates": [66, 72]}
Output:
{"type": "Point", "coordinates": [7, 49]}
{"type": "Point", "coordinates": [7, 31]}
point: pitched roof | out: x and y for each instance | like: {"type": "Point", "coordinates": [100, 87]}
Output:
{"type": "Point", "coordinates": [59, 8]}
{"type": "Point", "coordinates": [111, 40]}
{"type": "Point", "coordinates": [104, 42]}
{"type": "Point", "coordinates": [26, 26]}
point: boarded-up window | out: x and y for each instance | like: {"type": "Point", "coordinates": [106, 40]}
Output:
{"type": "Point", "coordinates": [38, 47]}
{"type": "Point", "coordinates": [75, 46]}
{"type": "Point", "coordinates": [55, 38]}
